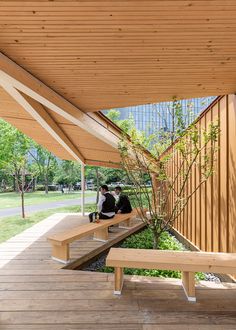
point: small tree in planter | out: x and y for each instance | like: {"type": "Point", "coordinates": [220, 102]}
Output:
{"type": "Point", "coordinates": [165, 199]}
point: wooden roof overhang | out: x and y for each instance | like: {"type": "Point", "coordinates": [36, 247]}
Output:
{"type": "Point", "coordinates": [73, 58]}
{"type": "Point", "coordinates": [53, 122]}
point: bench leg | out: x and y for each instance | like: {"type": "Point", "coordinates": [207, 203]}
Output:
{"type": "Point", "coordinates": [119, 278]}
{"type": "Point", "coordinates": [61, 253]}
{"type": "Point", "coordinates": [101, 235]}
{"type": "Point", "coordinates": [125, 224]}
{"type": "Point", "coordinates": [188, 282]}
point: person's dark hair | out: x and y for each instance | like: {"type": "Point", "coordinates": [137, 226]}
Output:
{"type": "Point", "coordinates": [105, 187]}
{"type": "Point", "coordinates": [118, 188]}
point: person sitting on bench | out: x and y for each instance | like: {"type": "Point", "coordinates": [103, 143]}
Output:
{"type": "Point", "coordinates": [123, 204]}
{"type": "Point", "coordinates": [106, 205]}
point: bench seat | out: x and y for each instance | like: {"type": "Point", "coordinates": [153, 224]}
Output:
{"type": "Point", "coordinates": [60, 241]}
{"type": "Point", "coordinates": [187, 262]}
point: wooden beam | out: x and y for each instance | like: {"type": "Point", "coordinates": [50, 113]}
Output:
{"type": "Point", "coordinates": [94, 162]}
{"type": "Point", "coordinates": [20, 79]}
{"type": "Point", "coordinates": [39, 113]}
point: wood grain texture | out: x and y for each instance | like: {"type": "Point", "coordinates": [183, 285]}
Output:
{"type": "Point", "coordinates": [98, 54]}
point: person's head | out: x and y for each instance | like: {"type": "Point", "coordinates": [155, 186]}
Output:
{"type": "Point", "coordinates": [118, 190]}
{"type": "Point", "coordinates": [104, 189]}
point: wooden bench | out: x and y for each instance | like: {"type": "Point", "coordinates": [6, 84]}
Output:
{"type": "Point", "coordinates": [60, 242]}
{"type": "Point", "coordinates": [185, 261]}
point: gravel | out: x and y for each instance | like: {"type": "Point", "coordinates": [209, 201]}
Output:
{"type": "Point", "coordinates": [97, 264]}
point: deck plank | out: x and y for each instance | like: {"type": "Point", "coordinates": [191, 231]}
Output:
{"type": "Point", "coordinates": [37, 294]}
{"type": "Point", "coordinates": [119, 317]}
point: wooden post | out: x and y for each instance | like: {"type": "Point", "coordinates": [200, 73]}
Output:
{"type": "Point", "coordinates": [119, 279]}
{"type": "Point", "coordinates": [125, 224]}
{"type": "Point", "coordinates": [82, 187]}
{"type": "Point", "coordinates": [101, 235]}
{"type": "Point", "coordinates": [61, 253]}
{"type": "Point", "coordinates": [188, 282]}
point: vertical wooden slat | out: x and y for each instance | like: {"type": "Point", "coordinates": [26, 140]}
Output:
{"type": "Point", "coordinates": [173, 195]}
{"type": "Point", "coordinates": [216, 187]}
{"type": "Point", "coordinates": [203, 195]}
{"type": "Point", "coordinates": [208, 201]}
{"type": "Point", "coordinates": [198, 202]}
{"type": "Point", "coordinates": [172, 164]}
{"type": "Point", "coordinates": [190, 202]}
{"type": "Point", "coordinates": [180, 182]}
{"type": "Point", "coordinates": [177, 181]}
{"type": "Point", "coordinates": [232, 174]}
{"type": "Point", "coordinates": [185, 209]}
{"type": "Point", "coordinates": [193, 219]}
{"type": "Point", "coordinates": [181, 214]}
{"type": "Point", "coordinates": [223, 175]}
{"type": "Point", "coordinates": [209, 221]}
{"type": "Point", "coordinates": [227, 176]}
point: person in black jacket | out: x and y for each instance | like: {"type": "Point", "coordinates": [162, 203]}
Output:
{"type": "Point", "coordinates": [123, 204]}
{"type": "Point", "coordinates": [106, 205]}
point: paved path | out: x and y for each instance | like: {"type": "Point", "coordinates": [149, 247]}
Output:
{"type": "Point", "coordinates": [45, 206]}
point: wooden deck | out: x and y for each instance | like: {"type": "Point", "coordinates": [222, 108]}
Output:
{"type": "Point", "coordinates": [37, 294]}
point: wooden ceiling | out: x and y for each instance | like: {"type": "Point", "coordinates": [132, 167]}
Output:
{"type": "Point", "coordinates": [105, 54]}
{"type": "Point", "coordinates": [62, 61]}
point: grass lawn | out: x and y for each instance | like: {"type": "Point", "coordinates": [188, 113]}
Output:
{"type": "Point", "coordinates": [11, 226]}
{"type": "Point", "coordinates": [12, 199]}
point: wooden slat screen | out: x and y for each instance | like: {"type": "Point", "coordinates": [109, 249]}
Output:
{"type": "Point", "coordinates": [209, 219]}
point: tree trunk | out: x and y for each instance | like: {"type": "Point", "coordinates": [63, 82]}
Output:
{"type": "Point", "coordinates": [33, 184]}
{"type": "Point", "coordinates": [97, 178]}
{"type": "Point", "coordinates": [46, 174]}
{"type": "Point", "coordinates": [16, 182]}
{"type": "Point", "coordinates": [23, 204]}
{"type": "Point", "coordinates": [23, 193]}
{"type": "Point", "coordinates": [155, 186]}
{"type": "Point", "coordinates": [156, 238]}
{"type": "Point", "coordinates": [46, 184]}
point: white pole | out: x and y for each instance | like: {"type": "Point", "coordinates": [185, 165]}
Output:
{"type": "Point", "coordinates": [82, 188]}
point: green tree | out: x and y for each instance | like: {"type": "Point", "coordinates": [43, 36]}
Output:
{"type": "Point", "coordinates": [45, 161]}
{"type": "Point", "coordinates": [125, 124]}
{"type": "Point", "coordinates": [195, 149]}
{"type": "Point", "coordinates": [5, 180]}
{"type": "Point", "coordinates": [14, 148]}
{"type": "Point", "coordinates": [68, 173]}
